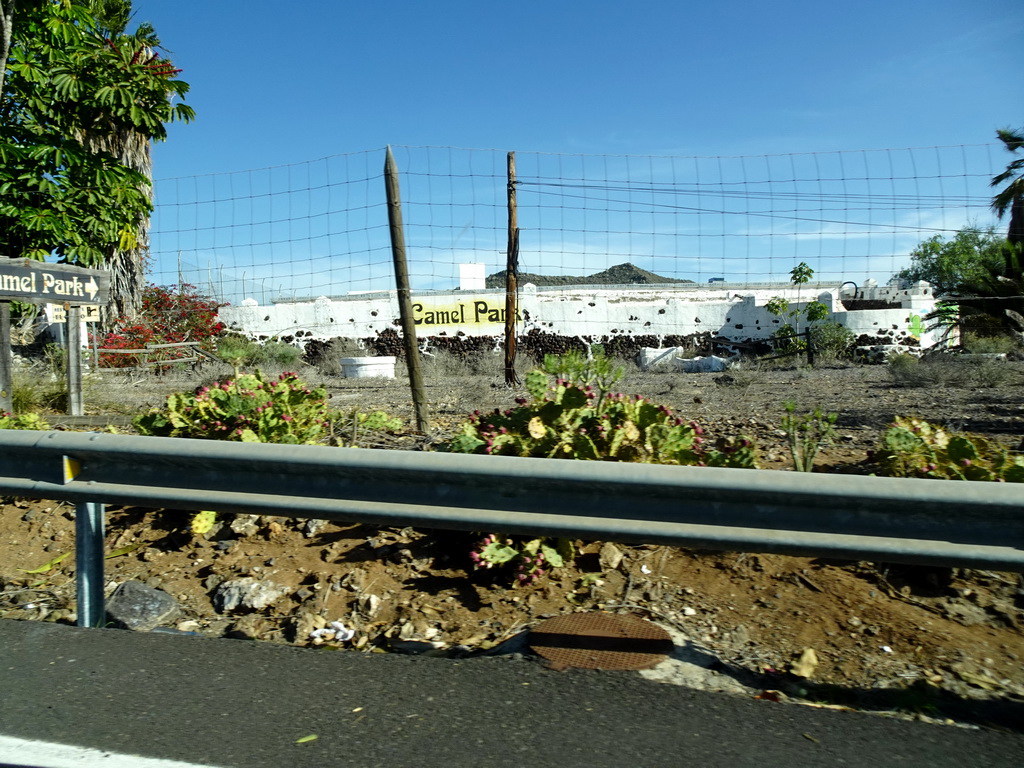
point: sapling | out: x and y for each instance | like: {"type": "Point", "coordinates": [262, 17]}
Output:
{"type": "Point", "coordinates": [812, 312]}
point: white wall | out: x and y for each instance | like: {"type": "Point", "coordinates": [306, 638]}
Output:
{"type": "Point", "coordinates": [733, 312]}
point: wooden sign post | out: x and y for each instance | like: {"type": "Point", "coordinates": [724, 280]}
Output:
{"type": "Point", "coordinates": [6, 359]}
{"type": "Point", "coordinates": [37, 282]}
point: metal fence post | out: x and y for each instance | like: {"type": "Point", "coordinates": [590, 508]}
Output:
{"type": "Point", "coordinates": [89, 534]}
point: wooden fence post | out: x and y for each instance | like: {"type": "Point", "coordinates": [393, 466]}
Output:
{"type": "Point", "coordinates": [6, 359]}
{"type": "Point", "coordinates": [511, 277]}
{"type": "Point", "coordinates": [412, 350]}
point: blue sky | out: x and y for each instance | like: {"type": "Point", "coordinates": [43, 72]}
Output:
{"type": "Point", "coordinates": [281, 84]}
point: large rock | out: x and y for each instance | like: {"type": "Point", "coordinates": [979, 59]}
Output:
{"type": "Point", "coordinates": [246, 594]}
{"type": "Point", "coordinates": [141, 608]}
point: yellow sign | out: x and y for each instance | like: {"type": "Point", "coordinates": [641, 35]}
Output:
{"type": "Point", "coordinates": [470, 311]}
{"type": "Point", "coordinates": [71, 469]}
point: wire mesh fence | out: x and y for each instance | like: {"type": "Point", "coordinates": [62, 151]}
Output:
{"type": "Point", "coordinates": [320, 228]}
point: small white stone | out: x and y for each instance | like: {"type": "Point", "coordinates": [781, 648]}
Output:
{"type": "Point", "coordinates": [342, 633]}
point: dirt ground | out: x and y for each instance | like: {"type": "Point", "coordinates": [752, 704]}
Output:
{"type": "Point", "coordinates": [932, 642]}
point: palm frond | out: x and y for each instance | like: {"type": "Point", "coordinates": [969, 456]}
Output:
{"type": "Point", "coordinates": [1005, 198]}
{"type": "Point", "coordinates": [1013, 139]}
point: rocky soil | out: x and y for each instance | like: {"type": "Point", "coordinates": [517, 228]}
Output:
{"type": "Point", "coordinates": [929, 642]}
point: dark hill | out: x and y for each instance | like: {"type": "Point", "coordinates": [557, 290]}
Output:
{"type": "Point", "coordinates": [620, 274]}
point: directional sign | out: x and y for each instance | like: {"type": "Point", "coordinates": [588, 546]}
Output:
{"type": "Point", "coordinates": [55, 313]}
{"type": "Point", "coordinates": [38, 282]}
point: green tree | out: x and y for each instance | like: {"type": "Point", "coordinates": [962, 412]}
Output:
{"type": "Point", "coordinates": [77, 93]}
{"type": "Point", "coordinates": [112, 16]}
{"type": "Point", "coordinates": [951, 265]}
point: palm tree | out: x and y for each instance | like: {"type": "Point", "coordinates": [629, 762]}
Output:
{"type": "Point", "coordinates": [132, 149]}
{"type": "Point", "coordinates": [994, 299]}
{"type": "Point", "coordinates": [1011, 197]}
{"type": "Point", "coordinates": [131, 146]}
{"type": "Point", "coordinates": [126, 261]}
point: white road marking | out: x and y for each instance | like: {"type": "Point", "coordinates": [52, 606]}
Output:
{"type": "Point", "coordinates": [24, 753]}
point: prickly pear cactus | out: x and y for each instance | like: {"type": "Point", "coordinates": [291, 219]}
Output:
{"type": "Point", "coordinates": [573, 421]}
{"type": "Point", "coordinates": [914, 448]}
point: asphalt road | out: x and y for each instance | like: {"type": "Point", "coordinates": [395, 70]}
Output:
{"type": "Point", "coordinates": [246, 704]}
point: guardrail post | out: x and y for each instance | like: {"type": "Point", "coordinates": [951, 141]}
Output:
{"type": "Point", "coordinates": [73, 315]}
{"type": "Point", "coordinates": [89, 535]}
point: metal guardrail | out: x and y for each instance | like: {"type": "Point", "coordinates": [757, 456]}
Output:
{"type": "Point", "coordinates": [839, 516]}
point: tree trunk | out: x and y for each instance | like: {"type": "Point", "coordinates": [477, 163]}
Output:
{"type": "Point", "coordinates": [6, 28]}
{"type": "Point", "coordinates": [1015, 233]}
{"type": "Point", "coordinates": [126, 266]}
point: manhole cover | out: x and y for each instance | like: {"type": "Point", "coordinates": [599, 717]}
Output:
{"type": "Point", "coordinates": [600, 641]}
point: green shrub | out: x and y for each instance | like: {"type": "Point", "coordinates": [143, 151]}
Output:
{"type": "Point", "coordinates": [22, 421]}
{"type": "Point", "coordinates": [240, 352]}
{"type": "Point", "coordinates": [990, 344]}
{"type": "Point", "coordinates": [44, 385]}
{"type": "Point", "coordinates": [914, 448]}
{"type": "Point", "coordinates": [948, 371]}
{"type": "Point", "coordinates": [902, 366]}
{"type": "Point", "coordinates": [27, 392]}
{"type": "Point", "coordinates": [250, 408]}
{"type": "Point", "coordinates": [55, 359]}
{"type": "Point", "coordinates": [236, 351]}
{"type": "Point", "coordinates": [832, 340]}
{"type": "Point", "coordinates": [277, 353]}
{"type": "Point", "coordinates": [357, 422]}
